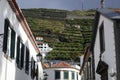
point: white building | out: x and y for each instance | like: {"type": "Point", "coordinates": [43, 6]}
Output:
{"type": "Point", "coordinates": [105, 45]}
{"type": "Point", "coordinates": [86, 67]}
{"type": "Point", "coordinates": [44, 47]}
{"type": "Point", "coordinates": [18, 49]}
{"type": "Point", "coordinates": [62, 71]}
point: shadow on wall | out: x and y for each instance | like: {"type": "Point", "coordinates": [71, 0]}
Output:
{"type": "Point", "coordinates": [0, 62]}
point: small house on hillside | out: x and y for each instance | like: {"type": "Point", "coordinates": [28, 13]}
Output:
{"type": "Point", "coordinates": [19, 52]}
{"type": "Point", "coordinates": [43, 47]}
{"type": "Point", "coordinates": [105, 45]}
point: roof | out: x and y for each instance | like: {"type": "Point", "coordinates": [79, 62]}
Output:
{"type": "Point", "coordinates": [110, 14]}
{"type": "Point", "coordinates": [23, 22]}
{"type": "Point", "coordinates": [62, 64]}
{"type": "Point", "coordinates": [46, 65]}
{"type": "Point", "coordinates": [116, 10]}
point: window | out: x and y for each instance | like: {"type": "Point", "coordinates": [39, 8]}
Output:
{"type": "Point", "coordinates": [20, 53]}
{"type": "Point", "coordinates": [32, 68]}
{"type": "Point", "coordinates": [18, 50]}
{"type": "Point", "coordinates": [66, 75]}
{"type": "Point", "coordinates": [37, 73]}
{"type": "Point", "coordinates": [77, 75]}
{"type": "Point", "coordinates": [27, 61]}
{"type": "Point", "coordinates": [73, 75]}
{"type": "Point", "coordinates": [9, 40]}
{"type": "Point", "coordinates": [57, 74]}
{"type": "Point", "coordinates": [12, 47]}
{"type": "Point", "coordinates": [102, 38]}
{"type": "Point", "coordinates": [7, 24]}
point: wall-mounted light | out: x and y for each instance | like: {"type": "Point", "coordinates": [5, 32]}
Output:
{"type": "Point", "coordinates": [39, 57]}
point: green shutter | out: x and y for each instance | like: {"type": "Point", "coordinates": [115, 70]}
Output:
{"type": "Point", "coordinates": [73, 76]}
{"type": "Point", "coordinates": [12, 48]}
{"type": "Point", "coordinates": [65, 74]}
{"type": "Point", "coordinates": [32, 68]}
{"type": "Point", "coordinates": [22, 55]}
{"type": "Point", "coordinates": [57, 74]}
{"type": "Point", "coordinates": [7, 24]}
{"type": "Point", "coordinates": [27, 61]}
{"type": "Point", "coordinates": [18, 50]}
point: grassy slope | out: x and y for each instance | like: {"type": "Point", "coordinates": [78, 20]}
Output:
{"type": "Point", "coordinates": [67, 41]}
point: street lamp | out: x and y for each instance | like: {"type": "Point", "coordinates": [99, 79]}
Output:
{"type": "Point", "coordinates": [39, 57]}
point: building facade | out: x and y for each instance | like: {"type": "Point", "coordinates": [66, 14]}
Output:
{"type": "Point", "coordinates": [86, 70]}
{"type": "Point", "coordinates": [18, 49]}
{"type": "Point", "coordinates": [62, 71]}
{"type": "Point", "coordinates": [105, 45]}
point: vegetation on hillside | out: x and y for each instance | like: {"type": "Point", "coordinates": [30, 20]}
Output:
{"type": "Point", "coordinates": [67, 37]}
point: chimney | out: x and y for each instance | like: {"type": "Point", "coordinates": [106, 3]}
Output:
{"type": "Point", "coordinates": [51, 64]}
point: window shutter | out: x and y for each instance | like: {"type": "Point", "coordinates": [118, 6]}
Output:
{"type": "Point", "coordinates": [27, 61]}
{"type": "Point", "coordinates": [22, 55]}
{"type": "Point", "coordinates": [7, 24]}
{"type": "Point", "coordinates": [12, 50]}
{"type": "Point", "coordinates": [33, 74]}
{"type": "Point", "coordinates": [18, 50]}
{"type": "Point", "coordinates": [37, 73]}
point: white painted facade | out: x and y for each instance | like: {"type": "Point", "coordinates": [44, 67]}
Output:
{"type": "Point", "coordinates": [108, 56]}
{"type": "Point", "coordinates": [51, 73]}
{"type": "Point", "coordinates": [8, 67]}
{"type": "Point", "coordinates": [44, 49]}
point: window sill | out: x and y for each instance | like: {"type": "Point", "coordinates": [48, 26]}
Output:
{"type": "Point", "coordinates": [7, 57]}
{"type": "Point", "coordinates": [27, 72]}
{"type": "Point", "coordinates": [19, 67]}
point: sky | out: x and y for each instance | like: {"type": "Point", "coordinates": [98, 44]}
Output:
{"type": "Point", "coordinates": [67, 4]}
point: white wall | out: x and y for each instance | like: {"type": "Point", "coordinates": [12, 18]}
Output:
{"type": "Point", "coordinates": [109, 54]}
{"type": "Point", "coordinates": [8, 69]}
{"type": "Point", "coordinates": [51, 73]}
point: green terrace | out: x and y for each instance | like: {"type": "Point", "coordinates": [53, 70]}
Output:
{"type": "Point", "coordinates": [67, 40]}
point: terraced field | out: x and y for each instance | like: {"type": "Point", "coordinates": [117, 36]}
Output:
{"type": "Point", "coordinates": [67, 37]}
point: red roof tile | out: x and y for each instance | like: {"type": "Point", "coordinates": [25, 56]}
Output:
{"type": "Point", "coordinates": [116, 10]}
{"type": "Point", "coordinates": [62, 64]}
{"type": "Point", "coordinates": [46, 65]}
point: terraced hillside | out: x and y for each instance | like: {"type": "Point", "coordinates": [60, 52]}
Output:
{"type": "Point", "coordinates": [67, 37]}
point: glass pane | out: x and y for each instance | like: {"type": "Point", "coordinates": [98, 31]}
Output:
{"type": "Point", "coordinates": [65, 74]}
{"type": "Point", "coordinates": [57, 74]}
{"type": "Point", "coordinates": [73, 76]}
